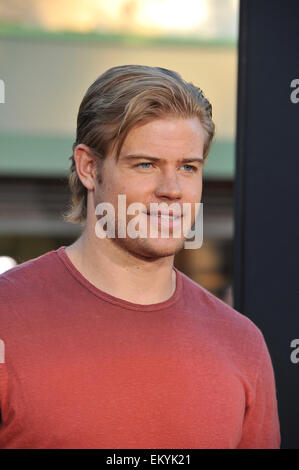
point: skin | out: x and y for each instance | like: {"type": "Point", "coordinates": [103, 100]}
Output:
{"type": "Point", "coordinates": [142, 267]}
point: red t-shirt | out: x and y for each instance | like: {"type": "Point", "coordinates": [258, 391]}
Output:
{"type": "Point", "coordinates": [84, 369]}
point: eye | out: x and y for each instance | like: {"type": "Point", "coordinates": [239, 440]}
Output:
{"type": "Point", "coordinates": [143, 165]}
{"type": "Point", "coordinates": [190, 168]}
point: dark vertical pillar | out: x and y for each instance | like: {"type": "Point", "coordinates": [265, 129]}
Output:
{"type": "Point", "coordinates": [266, 272]}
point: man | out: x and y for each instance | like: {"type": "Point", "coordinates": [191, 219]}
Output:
{"type": "Point", "coordinates": [107, 345]}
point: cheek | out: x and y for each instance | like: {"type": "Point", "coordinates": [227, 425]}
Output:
{"type": "Point", "coordinates": [108, 189]}
{"type": "Point", "coordinates": [125, 183]}
{"type": "Point", "coordinates": [192, 190]}
{"type": "Point", "coordinates": [137, 189]}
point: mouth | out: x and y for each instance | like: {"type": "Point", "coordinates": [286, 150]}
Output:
{"type": "Point", "coordinates": [160, 220]}
{"type": "Point", "coordinates": [166, 216]}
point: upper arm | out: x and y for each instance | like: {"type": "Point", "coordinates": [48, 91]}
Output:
{"type": "Point", "coordinates": [261, 428]}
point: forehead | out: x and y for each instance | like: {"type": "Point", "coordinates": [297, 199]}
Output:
{"type": "Point", "coordinates": [166, 135]}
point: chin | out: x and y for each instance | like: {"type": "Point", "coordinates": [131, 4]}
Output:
{"type": "Point", "coordinates": [150, 248]}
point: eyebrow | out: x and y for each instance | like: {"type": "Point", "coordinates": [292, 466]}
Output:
{"type": "Point", "coordinates": [155, 159]}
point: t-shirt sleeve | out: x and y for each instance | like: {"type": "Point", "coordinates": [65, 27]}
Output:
{"type": "Point", "coordinates": [3, 368]}
{"type": "Point", "coordinates": [3, 378]}
{"type": "Point", "coordinates": [261, 428]}
{"type": "Point", "coordinates": [3, 388]}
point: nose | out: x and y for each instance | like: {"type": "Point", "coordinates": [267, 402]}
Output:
{"type": "Point", "coordinates": [168, 186]}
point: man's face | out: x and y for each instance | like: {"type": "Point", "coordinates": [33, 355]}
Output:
{"type": "Point", "coordinates": [160, 161]}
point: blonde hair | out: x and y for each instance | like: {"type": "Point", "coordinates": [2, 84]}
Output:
{"type": "Point", "coordinates": [117, 101]}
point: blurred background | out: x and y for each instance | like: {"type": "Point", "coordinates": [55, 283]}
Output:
{"type": "Point", "coordinates": [50, 52]}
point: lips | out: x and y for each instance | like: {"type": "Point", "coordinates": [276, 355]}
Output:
{"type": "Point", "coordinates": [171, 214]}
{"type": "Point", "coordinates": [164, 216]}
{"type": "Point", "coordinates": [164, 220]}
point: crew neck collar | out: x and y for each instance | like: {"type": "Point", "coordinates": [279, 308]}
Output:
{"type": "Point", "coordinates": [115, 300]}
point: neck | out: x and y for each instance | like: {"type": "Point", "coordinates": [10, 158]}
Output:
{"type": "Point", "coordinates": [116, 271]}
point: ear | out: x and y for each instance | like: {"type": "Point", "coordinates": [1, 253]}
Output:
{"type": "Point", "coordinates": [85, 166]}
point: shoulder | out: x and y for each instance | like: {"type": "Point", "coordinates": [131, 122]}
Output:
{"type": "Point", "coordinates": [23, 279]}
{"type": "Point", "coordinates": [225, 323]}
